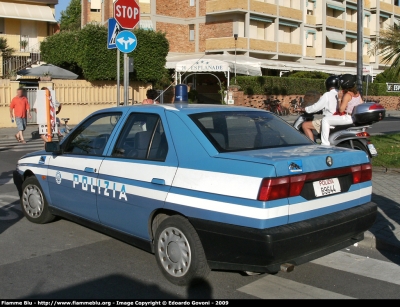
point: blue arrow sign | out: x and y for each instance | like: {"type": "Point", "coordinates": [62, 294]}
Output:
{"type": "Point", "coordinates": [113, 30]}
{"type": "Point", "coordinates": [126, 41]}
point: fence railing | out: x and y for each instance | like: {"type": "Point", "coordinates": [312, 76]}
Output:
{"type": "Point", "coordinates": [16, 63]}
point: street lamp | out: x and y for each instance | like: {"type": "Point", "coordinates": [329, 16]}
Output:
{"type": "Point", "coordinates": [236, 37]}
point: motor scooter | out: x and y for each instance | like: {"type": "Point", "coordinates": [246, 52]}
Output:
{"type": "Point", "coordinates": [353, 136]}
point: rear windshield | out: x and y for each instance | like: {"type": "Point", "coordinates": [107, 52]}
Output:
{"type": "Point", "coordinates": [243, 130]}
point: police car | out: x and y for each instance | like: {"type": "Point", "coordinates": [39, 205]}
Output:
{"type": "Point", "coordinates": [202, 187]}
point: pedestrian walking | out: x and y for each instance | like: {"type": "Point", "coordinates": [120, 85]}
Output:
{"type": "Point", "coordinates": [19, 109]}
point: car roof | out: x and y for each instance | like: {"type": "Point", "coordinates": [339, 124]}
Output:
{"type": "Point", "coordinates": [187, 108]}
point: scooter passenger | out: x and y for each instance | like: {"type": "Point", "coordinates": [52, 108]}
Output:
{"type": "Point", "coordinates": [328, 103]}
{"type": "Point", "coordinates": [351, 98]}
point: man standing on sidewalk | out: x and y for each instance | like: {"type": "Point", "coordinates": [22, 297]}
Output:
{"type": "Point", "coordinates": [19, 108]}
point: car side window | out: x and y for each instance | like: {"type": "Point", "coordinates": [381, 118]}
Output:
{"type": "Point", "coordinates": [143, 138]}
{"type": "Point", "coordinates": [91, 137]}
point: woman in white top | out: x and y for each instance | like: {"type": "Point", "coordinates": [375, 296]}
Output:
{"type": "Point", "coordinates": [351, 98]}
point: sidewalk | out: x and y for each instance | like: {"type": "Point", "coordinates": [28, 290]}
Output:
{"type": "Point", "coordinates": [383, 235]}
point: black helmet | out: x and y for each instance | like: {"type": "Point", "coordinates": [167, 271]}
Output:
{"type": "Point", "coordinates": [347, 81]}
{"type": "Point", "coordinates": [332, 81]}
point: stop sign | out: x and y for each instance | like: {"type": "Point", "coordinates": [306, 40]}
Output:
{"type": "Point", "coordinates": [127, 13]}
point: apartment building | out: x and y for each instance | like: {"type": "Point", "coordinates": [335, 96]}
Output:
{"type": "Point", "coordinates": [25, 23]}
{"type": "Point", "coordinates": [273, 36]}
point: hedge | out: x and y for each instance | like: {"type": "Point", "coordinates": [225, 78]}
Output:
{"type": "Point", "coordinates": [279, 86]}
{"type": "Point", "coordinates": [297, 86]}
{"type": "Point", "coordinates": [85, 53]}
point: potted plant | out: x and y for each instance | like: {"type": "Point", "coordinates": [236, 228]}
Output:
{"type": "Point", "coordinates": [23, 43]}
{"type": "Point", "coordinates": [45, 77]}
{"type": "Point", "coordinates": [12, 75]}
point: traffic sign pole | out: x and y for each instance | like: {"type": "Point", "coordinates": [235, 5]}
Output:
{"type": "Point", "coordinates": [126, 79]}
{"type": "Point", "coordinates": [118, 77]}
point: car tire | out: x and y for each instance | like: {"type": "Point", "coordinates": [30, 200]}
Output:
{"type": "Point", "coordinates": [33, 202]}
{"type": "Point", "coordinates": [179, 252]}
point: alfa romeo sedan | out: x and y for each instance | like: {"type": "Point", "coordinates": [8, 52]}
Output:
{"type": "Point", "coordinates": [202, 187]}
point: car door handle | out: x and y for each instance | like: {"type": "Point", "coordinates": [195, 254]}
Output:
{"type": "Point", "coordinates": [158, 181]}
{"type": "Point", "coordinates": [90, 170]}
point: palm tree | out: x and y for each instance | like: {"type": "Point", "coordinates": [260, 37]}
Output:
{"type": "Point", "coordinates": [387, 45]}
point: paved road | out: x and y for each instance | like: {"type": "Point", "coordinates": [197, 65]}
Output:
{"type": "Point", "coordinates": [64, 260]}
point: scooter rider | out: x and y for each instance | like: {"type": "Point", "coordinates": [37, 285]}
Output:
{"type": "Point", "coordinates": [351, 98]}
{"type": "Point", "coordinates": [328, 103]}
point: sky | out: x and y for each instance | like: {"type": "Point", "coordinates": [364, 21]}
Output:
{"type": "Point", "coordinates": [61, 6]}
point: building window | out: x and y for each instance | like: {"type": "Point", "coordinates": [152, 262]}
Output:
{"type": "Point", "coordinates": [310, 39]}
{"type": "Point", "coordinates": [95, 10]}
{"type": "Point", "coordinates": [1, 25]}
{"type": "Point", "coordinates": [192, 2]}
{"type": "Point", "coordinates": [191, 32]}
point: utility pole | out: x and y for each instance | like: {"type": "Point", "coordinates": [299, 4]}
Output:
{"type": "Point", "coordinates": [360, 43]}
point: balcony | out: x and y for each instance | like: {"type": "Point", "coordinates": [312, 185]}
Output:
{"type": "Point", "coordinates": [334, 22]}
{"type": "Point", "coordinates": [311, 20]}
{"type": "Point", "coordinates": [386, 7]}
{"type": "Point", "coordinates": [351, 26]}
{"type": "Point", "coordinates": [367, 32]}
{"type": "Point", "coordinates": [397, 10]}
{"type": "Point", "coordinates": [367, 3]}
{"type": "Point", "coordinates": [263, 45]}
{"type": "Point", "coordinates": [334, 54]}
{"type": "Point", "coordinates": [310, 52]}
{"type": "Point", "coordinates": [288, 48]}
{"type": "Point", "coordinates": [365, 59]}
{"type": "Point", "coordinates": [217, 6]}
{"type": "Point", "coordinates": [223, 43]}
{"type": "Point", "coordinates": [144, 7]}
{"type": "Point", "coordinates": [262, 7]}
{"type": "Point", "coordinates": [351, 56]}
{"type": "Point", "coordinates": [287, 12]}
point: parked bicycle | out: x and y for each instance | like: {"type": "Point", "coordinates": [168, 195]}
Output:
{"type": "Point", "coordinates": [63, 131]}
{"type": "Point", "coordinates": [295, 106]}
{"type": "Point", "coordinates": [276, 107]}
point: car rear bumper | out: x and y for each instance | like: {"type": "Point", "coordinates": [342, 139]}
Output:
{"type": "Point", "coordinates": [230, 247]}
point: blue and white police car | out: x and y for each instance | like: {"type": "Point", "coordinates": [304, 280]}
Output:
{"type": "Point", "coordinates": [202, 187]}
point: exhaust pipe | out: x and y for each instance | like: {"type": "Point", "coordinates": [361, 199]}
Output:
{"type": "Point", "coordinates": [287, 267]}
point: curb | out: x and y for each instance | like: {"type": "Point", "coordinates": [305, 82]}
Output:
{"type": "Point", "coordinates": [371, 241]}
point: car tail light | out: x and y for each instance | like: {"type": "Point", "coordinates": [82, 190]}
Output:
{"type": "Point", "coordinates": [363, 134]}
{"type": "Point", "coordinates": [282, 187]}
{"type": "Point", "coordinates": [376, 106]}
{"type": "Point", "coordinates": [361, 173]}
{"type": "Point", "coordinates": [290, 186]}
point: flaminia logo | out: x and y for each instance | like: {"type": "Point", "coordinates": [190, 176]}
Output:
{"type": "Point", "coordinates": [58, 177]}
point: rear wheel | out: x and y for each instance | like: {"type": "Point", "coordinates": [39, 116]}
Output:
{"type": "Point", "coordinates": [357, 145]}
{"type": "Point", "coordinates": [179, 252]}
{"type": "Point", "coordinates": [33, 202]}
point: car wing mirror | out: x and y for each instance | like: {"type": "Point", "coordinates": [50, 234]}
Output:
{"type": "Point", "coordinates": [53, 147]}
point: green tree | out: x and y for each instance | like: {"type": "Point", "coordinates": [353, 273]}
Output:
{"type": "Point", "coordinates": [5, 50]}
{"type": "Point", "coordinates": [389, 75]}
{"type": "Point", "coordinates": [387, 45]}
{"type": "Point", "coordinates": [71, 18]}
{"type": "Point", "coordinates": [85, 53]}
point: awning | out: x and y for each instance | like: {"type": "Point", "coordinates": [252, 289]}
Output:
{"type": "Point", "coordinates": [336, 37]}
{"type": "Point", "coordinates": [95, 4]}
{"type": "Point", "coordinates": [215, 63]}
{"type": "Point", "coordinates": [288, 24]}
{"type": "Point", "coordinates": [146, 24]}
{"type": "Point", "coordinates": [261, 18]}
{"type": "Point", "coordinates": [26, 12]}
{"type": "Point", "coordinates": [336, 6]}
{"type": "Point", "coordinates": [351, 6]}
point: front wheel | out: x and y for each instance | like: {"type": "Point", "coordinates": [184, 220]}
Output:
{"type": "Point", "coordinates": [179, 252]}
{"type": "Point", "coordinates": [33, 202]}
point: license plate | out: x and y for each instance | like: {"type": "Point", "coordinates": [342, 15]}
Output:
{"type": "Point", "coordinates": [372, 149]}
{"type": "Point", "coordinates": [326, 187]}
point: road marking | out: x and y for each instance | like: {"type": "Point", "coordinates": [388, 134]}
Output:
{"type": "Point", "coordinates": [363, 266]}
{"type": "Point", "coordinates": [274, 287]}
{"type": "Point", "coordinates": [6, 181]}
